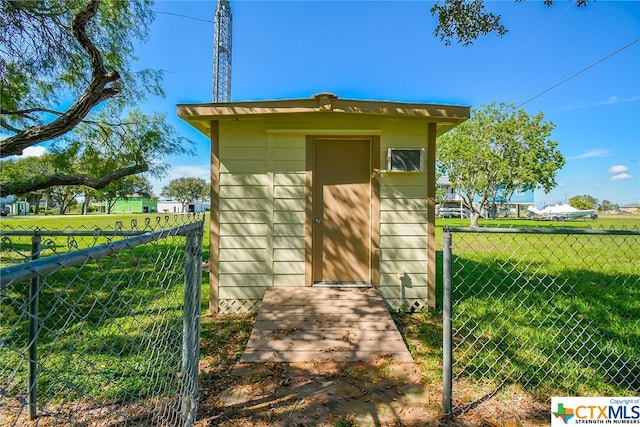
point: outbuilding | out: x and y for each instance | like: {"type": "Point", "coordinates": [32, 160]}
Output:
{"type": "Point", "coordinates": [173, 206]}
{"type": "Point", "coordinates": [322, 192]}
{"type": "Point", "coordinates": [135, 203]}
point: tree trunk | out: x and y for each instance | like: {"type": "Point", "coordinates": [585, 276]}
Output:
{"type": "Point", "coordinates": [68, 204]}
{"type": "Point", "coordinates": [103, 85]}
{"type": "Point", "coordinates": [35, 201]}
{"type": "Point", "coordinates": [85, 205]}
{"type": "Point", "coordinates": [474, 216]}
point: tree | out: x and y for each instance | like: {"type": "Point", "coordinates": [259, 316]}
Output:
{"type": "Point", "coordinates": [583, 202]}
{"type": "Point", "coordinates": [55, 49]}
{"type": "Point", "coordinates": [498, 150]}
{"type": "Point", "coordinates": [186, 190]}
{"type": "Point", "coordinates": [607, 206]}
{"type": "Point", "coordinates": [463, 21]}
{"type": "Point", "coordinates": [65, 196]}
{"type": "Point", "coordinates": [88, 195]}
{"type": "Point", "coordinates": [27, 169]}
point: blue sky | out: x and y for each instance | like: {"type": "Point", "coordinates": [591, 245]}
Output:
{"type": "Point", "coordinates": [383, 50]}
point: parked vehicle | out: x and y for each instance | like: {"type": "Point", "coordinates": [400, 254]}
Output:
{"type": "Point", "coordinates": [560, 212]}
{"type": "Point", "coordinates": [455, 211]}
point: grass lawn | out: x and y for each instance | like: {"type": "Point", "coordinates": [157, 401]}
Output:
{"type": "Point", "coordinates": [74, 222]}
{"type": "Point", "coordinates": [84, 223]}
{"type": "Point", "coordinates": [516, 337]}
{"type": "Point", "coordinates": [556, 314]}
{"type": "Point", "coordinates": [606, 222]}
{"type": "Point", "coordinates": [110, 329]}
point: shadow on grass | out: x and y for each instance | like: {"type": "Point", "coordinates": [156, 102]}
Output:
{"type": "Point", "coordinates": [538, 316]}
{"type": "Point", "coordinates": [109, 329]}
{"type": "Point", "coordinates": [552, 326]}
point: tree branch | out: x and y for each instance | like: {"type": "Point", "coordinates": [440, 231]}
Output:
{"type": "Point", "coordinates": [28, 111]}
{"type": "Point", "coordinates": [103, 85]}
{"type": "Point", "coordinates": [42, 182]}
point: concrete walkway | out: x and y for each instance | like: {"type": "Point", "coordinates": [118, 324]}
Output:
{"type": "Point", "coordinates": [315, 324]}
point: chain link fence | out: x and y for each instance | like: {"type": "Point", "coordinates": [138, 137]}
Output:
{"type": "Point", "coordinates": [555, 312]}
{"type": "Point", "coordinates": [100, 327]}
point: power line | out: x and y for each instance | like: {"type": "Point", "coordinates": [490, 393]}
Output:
{"type": "Point", "coordinates": [500, 66]}
{"type": "Point", "coordinates": [549, 24]}
{"type": "Point", "coordinates": [579, 72]}
{"type": "Point", "coordinates": [182, 16]}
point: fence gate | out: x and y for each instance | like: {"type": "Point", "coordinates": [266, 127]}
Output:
{"type": "Point", "coordinates": [553, 312]}
{"type": "Point", "coordinates": [101, 327]}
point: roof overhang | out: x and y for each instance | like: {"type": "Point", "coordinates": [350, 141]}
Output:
{"type": "Point", "coordinates": [445, 116]}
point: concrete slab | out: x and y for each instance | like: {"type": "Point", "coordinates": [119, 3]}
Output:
{"type": "Point", "coordinates": [324, 325]}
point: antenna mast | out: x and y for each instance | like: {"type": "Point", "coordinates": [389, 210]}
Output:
{"type": "Point", "coordinates": [222, 52]}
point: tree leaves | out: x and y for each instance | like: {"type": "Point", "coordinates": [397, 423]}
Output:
{"type": "Point", "coordinates": [186, 190]}
{"type": "Point", "coordinates": [463, 21]}
{"type": "Point", "coordinates": [100, 153]}
{"type": "Point", "coordinates": [82, 48]}
{"type": "Point", "coordinates": [584, 202]}
{"type": "Point", "coordinates": [498, 151]}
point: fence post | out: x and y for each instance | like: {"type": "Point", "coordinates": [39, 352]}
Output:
{"type": "Point", "coordinates": [191, 326]}
{"type": "Point", "coordinates": [447, 331]}
{"type": "Point", "coordinates": [34, 292]}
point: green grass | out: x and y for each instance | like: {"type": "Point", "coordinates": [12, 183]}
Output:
{"type": "Point", "coordinates": [538, 303]}
{"type": "Point", "coordinates": [14, 249]}
{"type": "Point", "coordinates": [557, 314]}
{"type": "Point", "coordinates": [606, 222]}
{"type": "Point", "coordinates": [106, 330]}
{"type": "Point", "coordinates": [110, 329]}
{"type": "Point", "coordinates": [61, 222]}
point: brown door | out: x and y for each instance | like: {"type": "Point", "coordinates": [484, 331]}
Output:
{"type": "Point", "coordinates": [341, 213]}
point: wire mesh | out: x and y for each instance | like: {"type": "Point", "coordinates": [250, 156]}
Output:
{"type": "Point", "coordinates": [109, 334]}
{"type": "Point", "coordinates": [556, 312]}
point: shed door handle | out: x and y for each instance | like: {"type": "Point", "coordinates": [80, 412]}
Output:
{"type": "Point", "coordinates": [317, 220]}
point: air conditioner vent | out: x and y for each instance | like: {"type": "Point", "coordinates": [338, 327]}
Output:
{"type": "Point", "coordinates": [405, 160]}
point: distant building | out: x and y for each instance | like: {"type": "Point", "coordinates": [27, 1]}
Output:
{"type": "Point", "coordinates": [450, 194]}
{"type": "Point", "coordinates": [171, 206]}
{"type": "Point", "coordinates": [10, 205]}
{"type": "Point", "coordinates": [631, 208]}
{"type": "Point", "coordinates": [518, 203]}
{"type": "Point", "coordinates": [136, 203]}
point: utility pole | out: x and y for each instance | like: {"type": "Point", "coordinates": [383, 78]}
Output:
{"type": "Point", "coordinates": [222, 52]}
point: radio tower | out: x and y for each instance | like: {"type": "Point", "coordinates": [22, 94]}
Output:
{"type": "Point", "coordinates": [222, 52]}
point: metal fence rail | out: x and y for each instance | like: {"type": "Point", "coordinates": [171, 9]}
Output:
{"type": "Point", "coordinates": [551, 311]}
{"type": "Point", "coordinates": [101, 327]}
